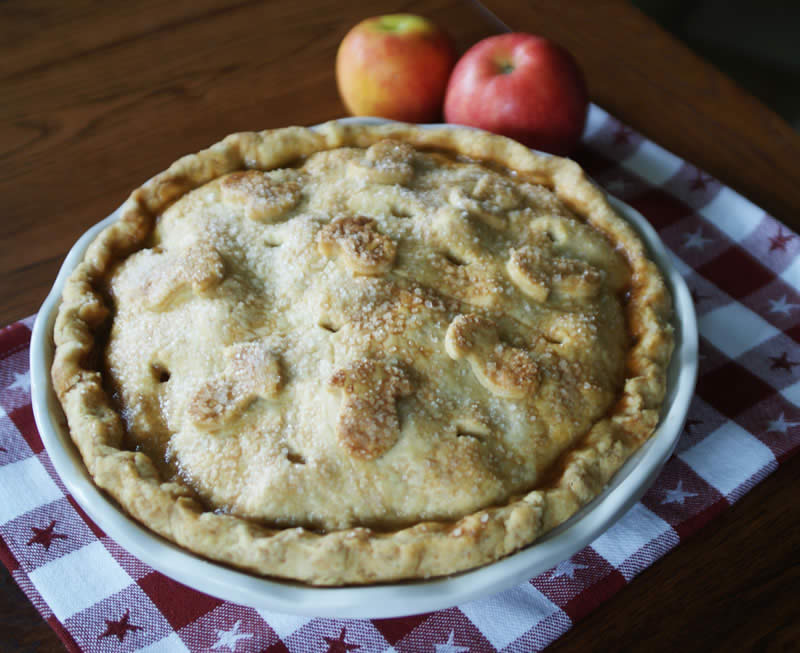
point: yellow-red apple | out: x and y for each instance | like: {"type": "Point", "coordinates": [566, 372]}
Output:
{"type": "Point", "coordinates": [395, 66]}
{"type": "Point", "coordinates": [522, 86]}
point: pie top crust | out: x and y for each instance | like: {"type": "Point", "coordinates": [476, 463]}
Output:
{"type": "Point", "coordinates": [358, 354]}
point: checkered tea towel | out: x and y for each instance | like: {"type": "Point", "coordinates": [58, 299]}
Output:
{"type": "Point", "coordinates": [743, 270]}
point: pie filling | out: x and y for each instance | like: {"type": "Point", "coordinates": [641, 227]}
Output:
{"type": "Point", "coordinates": [377, 337]}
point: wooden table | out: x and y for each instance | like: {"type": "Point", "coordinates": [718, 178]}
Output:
{"type": "Point", "coordinates": [96, 97]}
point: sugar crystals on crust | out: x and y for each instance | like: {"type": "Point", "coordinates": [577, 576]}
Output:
{"type": "Point", "coordinates": [359, 354]}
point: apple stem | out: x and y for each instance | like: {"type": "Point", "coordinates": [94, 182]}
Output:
{"type": "Point", "coordinates": [505, 67]}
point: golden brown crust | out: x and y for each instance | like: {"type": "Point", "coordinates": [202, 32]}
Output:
{"type": "Point", "coordinates": [357, 554]}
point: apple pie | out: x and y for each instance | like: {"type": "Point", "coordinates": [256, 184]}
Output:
{"type": "Point", "coordinates": [358, 354]}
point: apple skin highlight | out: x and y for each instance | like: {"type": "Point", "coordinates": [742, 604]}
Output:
{"type": "Point", "coordinates": [521, 86]}
{"type": "Point", "coordinates": [395, 66]}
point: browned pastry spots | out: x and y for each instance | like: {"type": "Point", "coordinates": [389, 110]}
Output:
{"type": "Point", "coordinates": [199, 266]}
{"type": "Point", "coordinates": [505, 371]}
{"type": "Point", "coordinates": [537, 273]}
{"type": "Point", "coordinates": [368, 425]}
{"type": "Point", "coordinates": [491, 198]}
{"type": "Point", "coordinates": [264, 198]}
{"type": "Point", "coordinates": [252, 371]}
{"type": "Point", "coordinates": [385, 162]}
{"type": "Point", "coordinates": [364, 249]}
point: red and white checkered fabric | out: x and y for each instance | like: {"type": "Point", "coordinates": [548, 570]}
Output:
{"type": "Point", "coordinates": [744, 272]}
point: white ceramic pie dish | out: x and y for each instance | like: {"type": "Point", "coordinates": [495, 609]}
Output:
{"type": "Point", "coordinates": [377, 601]}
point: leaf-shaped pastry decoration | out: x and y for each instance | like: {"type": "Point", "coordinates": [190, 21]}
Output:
{"type": "Point", "coordinates": [363, 248]}
{"type": "Point", "coordinates": [263, 196]}
{"type": "Point", "coordinates": [368, 425]}
{"type": "Point", "coordinates": [537, 274]}
{"type": "Point", "coordinates": [385, 162]}
{"type": "Point", "coordinates": [505, 371]}
{"type": "Point", "coordinates": [199, 267]}
{"type": "Point", "coordinates": [252, 371]}
{"type": "Point", "coordinates": [489, 201]}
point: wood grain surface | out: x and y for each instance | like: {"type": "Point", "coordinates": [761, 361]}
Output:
{"type": "Point", "coordinates": [95, 97]}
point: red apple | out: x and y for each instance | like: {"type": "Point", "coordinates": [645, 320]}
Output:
{"type": "Point", "coordinates": [395, 66]}
{"type": "Point", "coordinates": [522, 86]}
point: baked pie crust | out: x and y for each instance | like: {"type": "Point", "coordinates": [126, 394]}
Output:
{"type": "Point", "coordinates": [358, 354]}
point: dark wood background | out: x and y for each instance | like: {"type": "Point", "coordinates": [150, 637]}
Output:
{"type": "Point", "coordinates": [95, 97]}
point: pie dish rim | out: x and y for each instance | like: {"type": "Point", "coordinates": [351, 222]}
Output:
{"type": "Point", "coordinates": [374, 600]}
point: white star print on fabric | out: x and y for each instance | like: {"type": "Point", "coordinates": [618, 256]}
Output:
{"type": "Point", "coordinates": [566, 568]}
{"type": "Point", "coordinates": [230, 638]}
{"type": "Point", "coordinates": [696, 240]}
{"type": "Point", "coordinates": [450, 647]}
{"type": "Point", "coordinates": [21, 382]}
{"type": "Point", "coordinates": [781, 306]}
{"type": "Point", "coordinates": [780, 425]}
{"type": "Point", "coordinates": [677, 495]}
